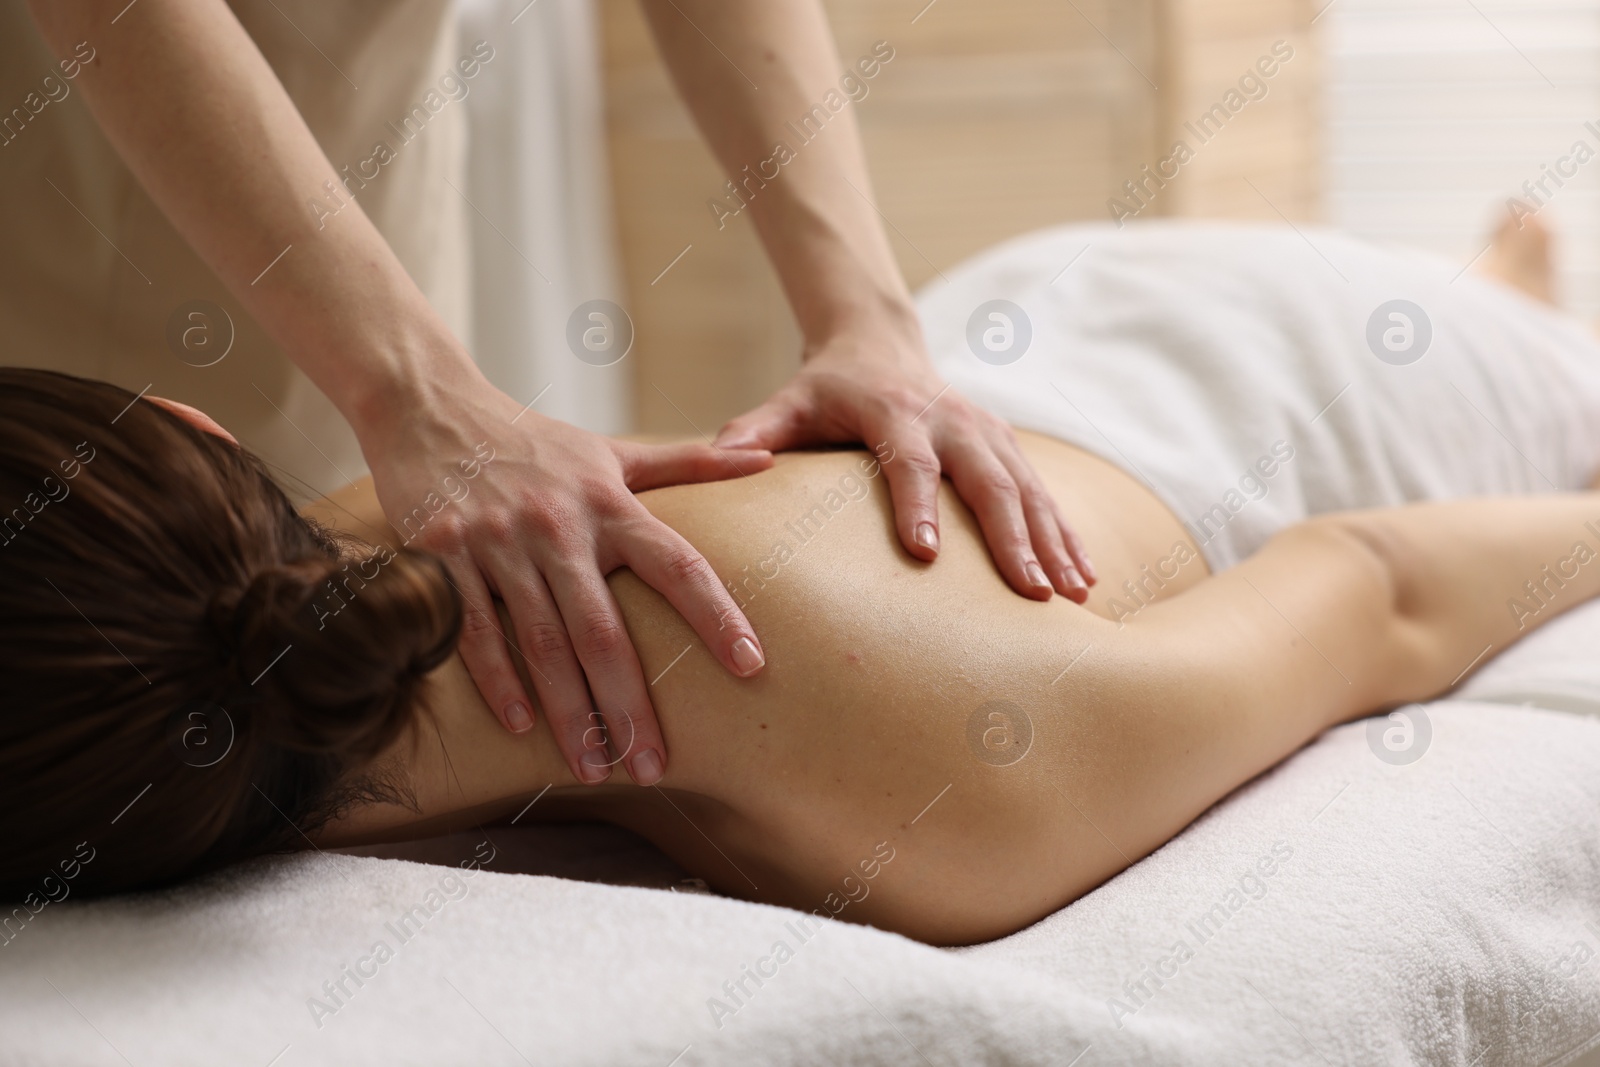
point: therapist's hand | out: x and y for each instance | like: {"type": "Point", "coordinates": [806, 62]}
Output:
{"type": "Point", "coordinates": [875, 384]}
{"type": "Point", "coordinates": [540, 525]}
{"type": "Point", "coordinates": [867, 376]}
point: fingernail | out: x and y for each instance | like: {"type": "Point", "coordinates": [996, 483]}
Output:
{"type": "Point", "coordinates": [927, 536]}
{"type": "Point", "coordinates": [1089, 571]}
{"type": "Point", "coordinates": [646, 767]}
{"type": "Point", "coordinates": [747, 658]}
{"type": "Point", "coordinates": [593, 767]}
{"type": "Point", "coordinates": [1077, 592]}
{"type": "Point", "coordinates": [519, 718]}
{"type": "Point", "coordinates": [1036, 576]}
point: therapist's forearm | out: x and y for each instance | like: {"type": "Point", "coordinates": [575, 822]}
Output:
{"type": "Point", "coordinates": [204, 124]}
{"type": "Point", "coordinates": [816, 217]}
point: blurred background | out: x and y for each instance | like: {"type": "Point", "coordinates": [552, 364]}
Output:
{"type": "Point", "coordinates": [1402, 121]}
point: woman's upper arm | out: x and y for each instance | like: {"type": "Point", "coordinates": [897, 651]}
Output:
{"type": "Point", "coordinates": [1304, 633]}
{"type": "Point", "coordinates": [1224, 680]}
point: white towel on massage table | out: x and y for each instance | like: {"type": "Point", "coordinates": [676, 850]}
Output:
{"type": "Point", "coordinates": [1443, 911]}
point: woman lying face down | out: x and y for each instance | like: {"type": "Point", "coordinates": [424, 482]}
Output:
{"type": "Point", "coordinates": [198, 674]}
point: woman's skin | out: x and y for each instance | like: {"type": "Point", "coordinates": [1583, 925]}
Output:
{"type": "Point", "coordinates": [856, 743]}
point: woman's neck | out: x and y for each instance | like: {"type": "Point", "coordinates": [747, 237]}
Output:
{"type": "Point", "coordinates": [458, 767]}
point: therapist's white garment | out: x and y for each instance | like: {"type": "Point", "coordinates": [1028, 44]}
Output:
{"type": "Point", "coordinates": [91, 272]}
{"type": "Point", "coordinates": [1254, 376]}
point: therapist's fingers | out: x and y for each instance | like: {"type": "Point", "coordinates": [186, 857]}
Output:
{"type": "Point", "coordinates": [483, 647]}
{"type": "Point", "coordinates": [552, 662]}
{"type": "Point", "coordinates": [909, 463]}
{"type": "Point", "coordinates": [1075, 549]}
{"type": "Point", "coordinates": [594, 622]}
{"type": "Point", "coordinates": [992, 493]}
{"type": "Point", "coordinates": [1044, 526]}
{"type": "Point", "coordinates": [651, 466]}
{"type": "Point", "coordinates": [671, 566]}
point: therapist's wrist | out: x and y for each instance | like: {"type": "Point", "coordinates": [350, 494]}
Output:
{"type": "Point", "coordinates": [876, 313]}
{"type": "Point", "coordinates": [407, 380]}
{"type": "Point", "coordinates": [884, 327]}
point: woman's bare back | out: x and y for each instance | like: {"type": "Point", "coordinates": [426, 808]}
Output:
{"type": "Point", "coordinates": [892, 685]}
{"type": "Point", "coordinates": [926, 750]}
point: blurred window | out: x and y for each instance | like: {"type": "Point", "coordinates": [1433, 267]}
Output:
{"type": "Point", "coordinates": [1439, 111]}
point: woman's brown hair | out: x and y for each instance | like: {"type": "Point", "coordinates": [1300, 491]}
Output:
{"type": "Point", "coordinates": [191, 671]}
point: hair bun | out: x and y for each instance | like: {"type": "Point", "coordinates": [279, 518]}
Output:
{"type": "Point", "coordinates": [337, 648]}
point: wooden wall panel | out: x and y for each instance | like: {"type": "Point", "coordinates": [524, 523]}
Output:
{"type": "Point", "coordinates": [1273, 143]}
{"type": "Point", "coordinates": [993, 119]}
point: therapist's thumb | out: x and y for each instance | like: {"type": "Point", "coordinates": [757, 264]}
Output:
{"type": "Point", "coordinates": [652, 466]}
{"type": "Point", "coordinates": [775, 425]}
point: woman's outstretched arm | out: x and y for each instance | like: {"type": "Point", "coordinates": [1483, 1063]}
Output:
{"type": "Point", "coordinates": [1358, 611]}
{"type": "Point", "coordinates": [1334, 619]}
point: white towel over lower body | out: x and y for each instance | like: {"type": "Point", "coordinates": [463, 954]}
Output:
{"type": "Point", "coordinates": [1199, 357]}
